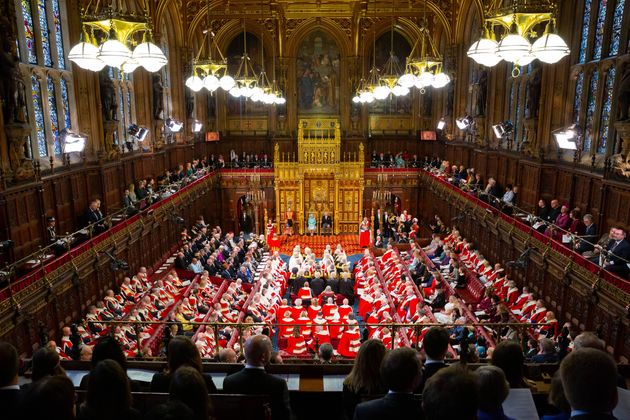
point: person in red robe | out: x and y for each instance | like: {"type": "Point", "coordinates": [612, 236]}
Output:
{"type": "Point", "coordinates": [364, 233]}
{"type": "Point", "coordinates": [305, 292]}
{"type": "Point", "coordinates": [349, 342]}
{"type": "Point", "coordinates": [296, 345]}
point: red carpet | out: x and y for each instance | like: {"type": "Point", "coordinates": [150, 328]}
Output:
{"type": "Point", "coordinates": [317, 244]}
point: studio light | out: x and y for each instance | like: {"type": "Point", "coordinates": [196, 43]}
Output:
{"type": "Point", "coordinates": [173, 126]}
{"type": "Point", "coordinates": [72, 142]}
{"type": "Point", "coordinates": [137, 132]}
{"type": "Point", "coordinates": [502, 130]}
{"type": "Point", "coordinates": [441, 125]}
{"type": "Point", "coordinates": [197, 127]}
{"type": "Point", "coordinates": [464, 122]}
{"type": "Point", "coordinates": [568, 138]}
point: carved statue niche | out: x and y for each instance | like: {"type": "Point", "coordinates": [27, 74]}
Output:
{"type": "Point", "coordinates": [9, 73]}
{"type": "Point", "coordinates": [450, 97]}
{"type": "Point", "coordinates": [190, 103]}
{"type": "Point", "coordinates": [158, 96]}
{"type": "Point", "coordinates": [481, 88]}
{"type": "Point", "coordinates": [108, 96]}
{"type": "Point", "coordinates": [533, 91]}
{"type": "Point", "coordinates": [623, 94]}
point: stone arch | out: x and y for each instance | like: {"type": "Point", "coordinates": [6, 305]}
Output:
{"type": "Point", "coordinates": [325, 24]}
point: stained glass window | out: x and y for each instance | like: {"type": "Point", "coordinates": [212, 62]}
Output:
{"type": "Point", "coordinates": [590, 110]}
{"type": "Point", "coordinates": [54, 117]}
{"type": "Point", "coordinates": [604, 122]}
{"type": "Point", "coordinates": [39, 116]}
{"type": "Point", "coordinates": [29, 32]}
{"type": "Point", "coordinates": [599, 29]}
{"type": "Point", "coordinates": [577, 100]}
{"type": "Point", "coordinates": [58, 35]}
{"type": "Point", "coordinates": [615, 38]}
{"type": "Point", "coordinates": [43, 27]}
{"type": "Point", "coordinates": [585, 27]}
{"type": "Point", "coordinates": [65, 102]}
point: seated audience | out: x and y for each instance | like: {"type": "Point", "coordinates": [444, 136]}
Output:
{"type": "Point", "coordinates": [170, 410]}
{"type": "Point", "coordinates": [326, 353]}
{"type": "Point", "coordinates": [46, 362]}
{"type": "Point", "coordinates": [189, 387]}
{"type": "Point", "coordinates": [401, 372]}
{"type": "Point", "coordinates": [451, 393]}
{"type": "Point", "coordinates": [10, 394]}
{"type": "Point", "coordinates": [253, 379]}
{"type": "Point", "coordinates": [365, 377]}
{"type": "Point", "coordinates": [493, 390]}
{"type": "Point", "coordinates": [108, 394]}
{"type": "Point", "coordinates": [557, 400]}
{"type": "Point", "coordinates": [435, 343]}
{"type": "Point", "coordinates": [181, 352]}
{"type": "Point", "coordinates": [49, 398]}
{"type": "Point", "coordinates": [508, 356]}
{"type": "Point", "coordinates": [589, 379]}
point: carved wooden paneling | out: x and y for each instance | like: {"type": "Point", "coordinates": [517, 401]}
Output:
{"type": "Point", "coordinates": [617, 205]}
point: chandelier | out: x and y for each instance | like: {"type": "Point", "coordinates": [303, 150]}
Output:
{"type": "Point", "coordinates": [424, 70]}
{"type": "Point", "coordinates": [255, 194]}
{"type": "Point", "coordinates": [209, 72]}
{"type": "Point", "coordinates": [519, 20]}
{"type": "Point", "coordinates": [119, 33]}
{"type": "Point", "coordinates": [252, 86]}
{"type": "Point", "coordinates": [381, 195]}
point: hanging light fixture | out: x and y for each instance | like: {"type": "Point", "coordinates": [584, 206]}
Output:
{"type": "Point", "coordinates": [388, 81]}
{"type": "Point", "coordinates": [425, 69]}
{"type": "Point", "coordinates": [209, 70]}
{"type": "Point", "coordinates": [550, 48]}
{"type": "Point", "coordinates": [85, 54]}
{"type": "Point", "coordinates": [120, 30]}
{"type": "Point", "coordinates": [513, 46]}
{"type": "Point", "coordinates": [519, 21]}
{"type": "Point", "coordinates": [484, 51]}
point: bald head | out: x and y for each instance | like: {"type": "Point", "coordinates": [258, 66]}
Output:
{"type": "Point", "coordinates": [227, 356]}
{"type": "Point", "coordinates": [588, 340]}
{"type": "Point", "coordinates": [258, 350]}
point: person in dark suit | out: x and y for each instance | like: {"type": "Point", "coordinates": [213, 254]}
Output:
{"type": "Point", "coordinates": [253, 380]}
{"type": "Point", "coordinates": [618, 254]}
{"type": "Point", "coordinates": [493, 390]}
{"type": "Point", "coordinates": [589, 379]}
{"type": "Point", "coordinates": [326, 223]}
{"type": "Point", "coordinates": [401, 372]}
{"type": "Point", "coordinates": [346, 288]}
{"type": "Point", "coordinates": [94, 216]}
{"type": "Point", "coordinates": [439, 301]}
{"type": "Point", "coordinates": [452, 393]}
{"type": "Point", "coordinates": [181, 352]}
{"type": "Point", "coordinates": [317, 284]}
{"type": "Point", "coordinates": [129, 204]}
{"type": "Point", "coordinates": [10, 394]}
{"type": "Point", "coordinates": [589, 239]}
{"type": "Point", "coordinates": [246, 223]}
{"type": "Point", "coordinates": [435, 344]}
{"type": "Point", "coordinates": [333, 282]}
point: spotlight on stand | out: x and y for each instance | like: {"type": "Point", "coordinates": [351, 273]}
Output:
{"type": "Point", "coordinates": [137, 132]}
{"type": "Point", "coordinates": [568, 138]}
{"type": "Point", "coordinates": [197, 127]}
{"type": "Point", "coordinates": [441, 124]}
{"type": "Point", "coordinates": [464, 123]}
{"type": "Point", "coordinates": [174, 126]}
{"type": "Point", "coordinates": [72, 142]}
{"type": "Point", "coordinates": [503, 130]}
{"type": "Point", "coordinates": [116, 264]}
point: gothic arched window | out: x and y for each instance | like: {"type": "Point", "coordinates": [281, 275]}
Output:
{"type": "Point", "coordinates": [47, 81]}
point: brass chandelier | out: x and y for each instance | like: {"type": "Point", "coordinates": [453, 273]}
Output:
{"type": "Point", "coordinates": [119, 33]}
{"type": "Point", "coordinates": [518, 21]}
